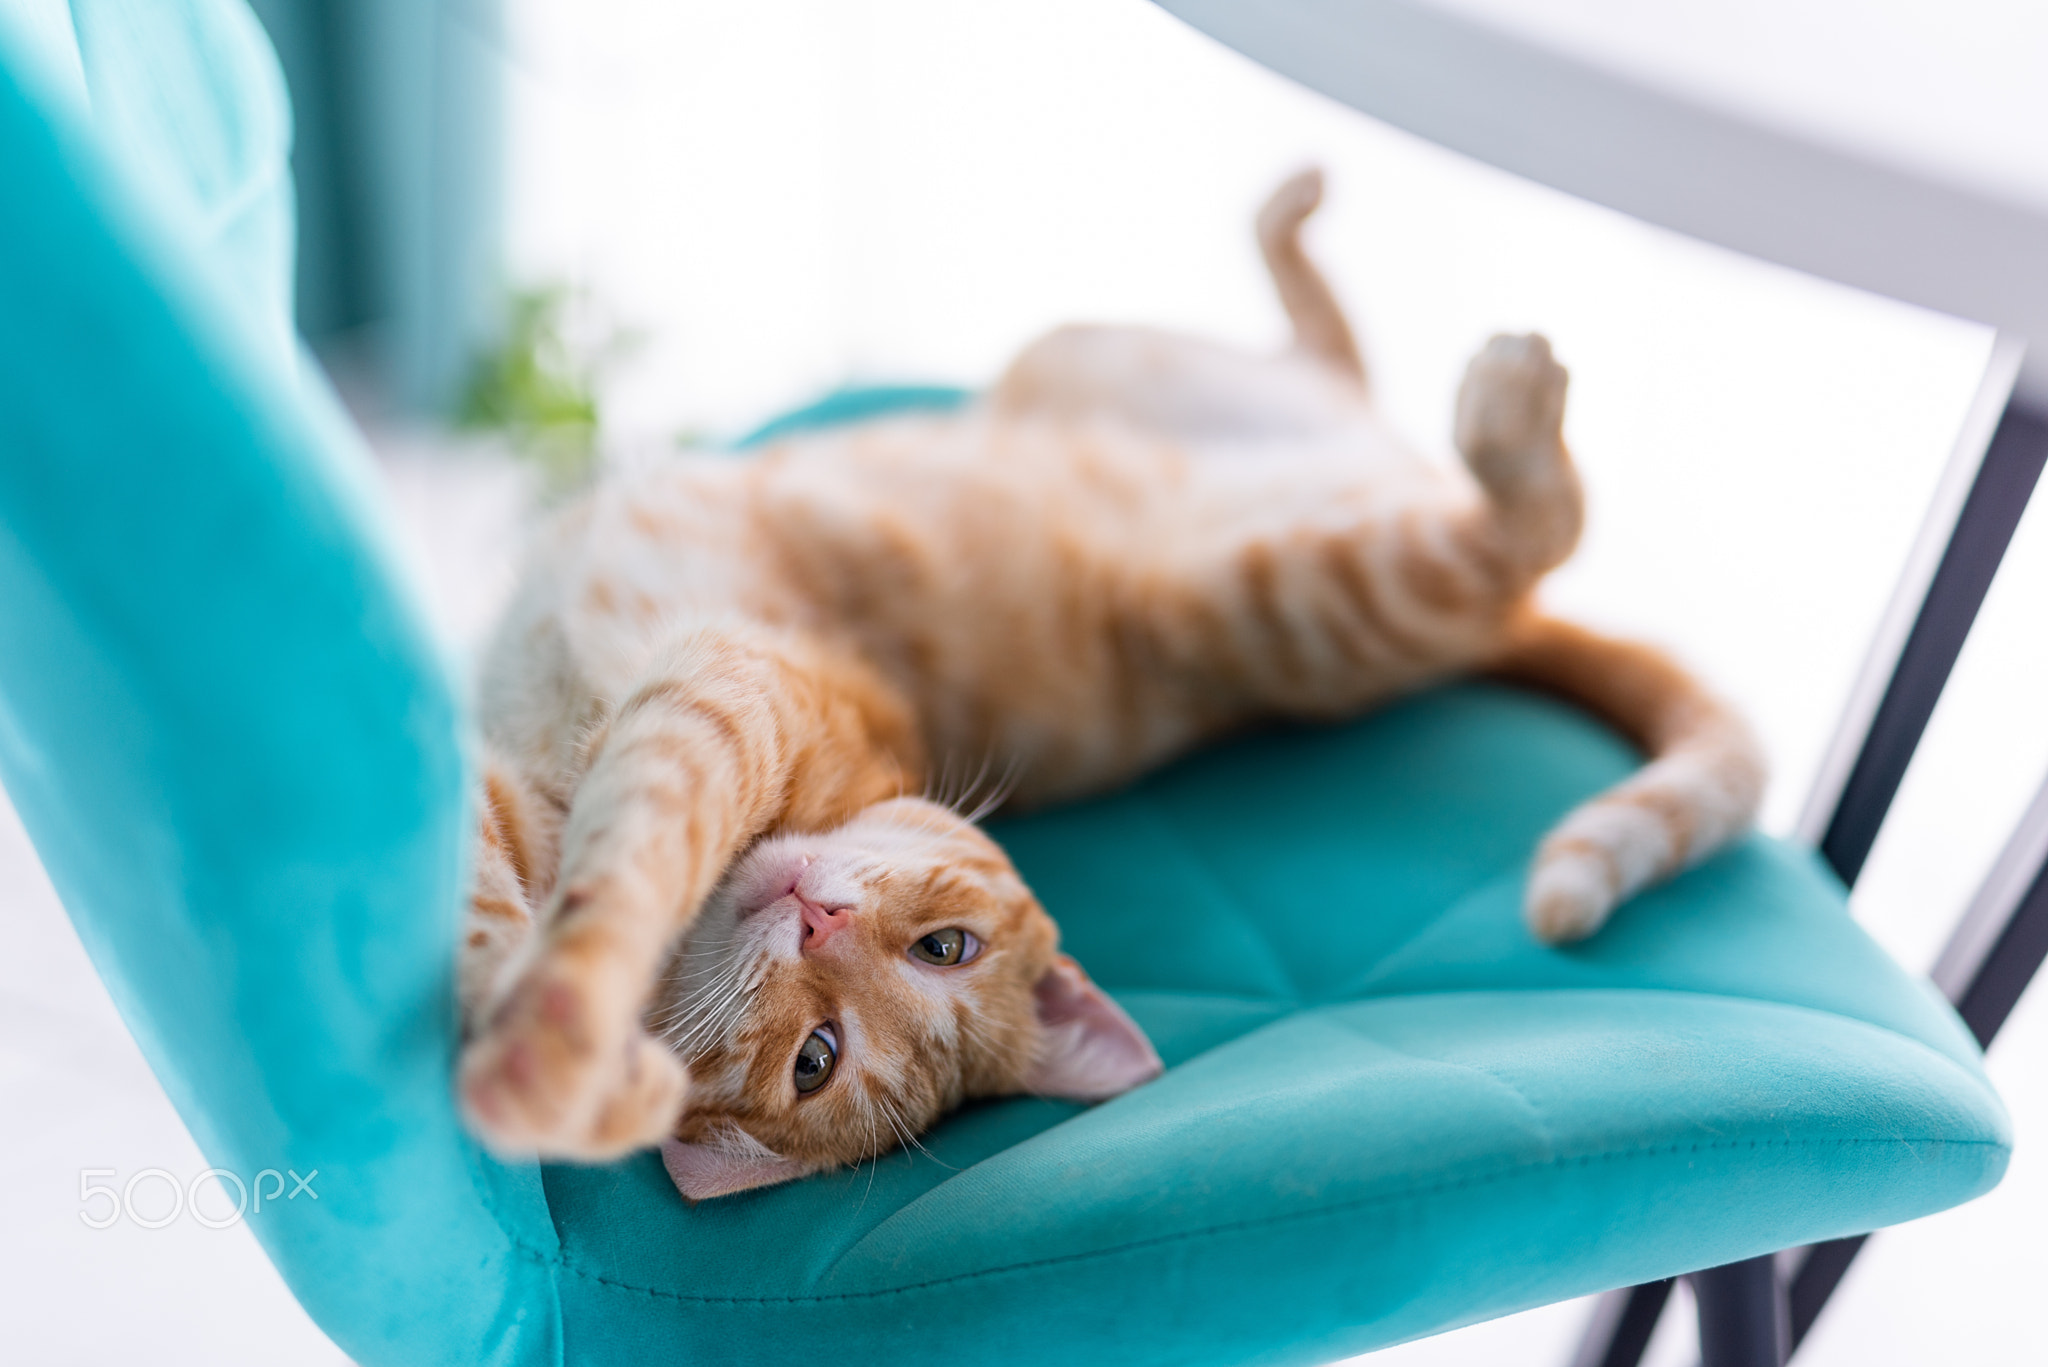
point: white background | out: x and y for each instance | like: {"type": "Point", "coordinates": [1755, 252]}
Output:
{"type": "Point", "coordinates": [783, 198]}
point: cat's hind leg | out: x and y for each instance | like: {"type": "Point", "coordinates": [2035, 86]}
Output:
{"type": "Point", "coordinates": [1374, 588]}
{"type": "Point", "coordinates": [1320, 328]}
{"type": "Point", "coordinates": [1192, 388]}
{"type": "Point", "coordinates": [1510, 431]}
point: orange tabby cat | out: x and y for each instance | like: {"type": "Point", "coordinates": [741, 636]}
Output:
{"type": "Point", "coordinates": [705, 911]}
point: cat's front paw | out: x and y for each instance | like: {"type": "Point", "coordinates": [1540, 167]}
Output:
{"type": "Point", "coordinates": [1512, 401]}
{"type": "Point", "coordinates": [546, 1076]}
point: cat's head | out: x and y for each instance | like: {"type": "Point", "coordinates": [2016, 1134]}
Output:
{"type": "Point", "coordinates": [841, 991]}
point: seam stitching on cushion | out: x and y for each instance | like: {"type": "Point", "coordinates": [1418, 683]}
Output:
{"type": "Point", "coordinates": [1290, 1217]}
{"type": "Point", "coordinates": [1518, 869]}
{"type": "Point", "coordinates": [1535, 1112]}
{"type": "Point", "coordinates": [1359, 984]}
{"type": "Point", "coordinates": [1331, 1009]}
{"type": "Point", "coordinates": [1217, 884]}
{"type": "Point", "coordinates": [1200, 994]}
{"type": "Point", "coordinates": [1913, 1040]}
{"type": "Point", "coordinates": [545, 1257]}
{"type": "Point", "coordinates": [1326, 1008]}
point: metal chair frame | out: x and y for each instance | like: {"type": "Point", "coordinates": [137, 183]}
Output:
{"type": "Point", "coordinates": [1757, 1312]}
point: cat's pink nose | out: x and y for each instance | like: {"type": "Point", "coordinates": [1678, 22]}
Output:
{"type": "Point", "coordinates": [821, 923]}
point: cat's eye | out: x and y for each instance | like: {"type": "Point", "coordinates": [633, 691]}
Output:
{"type": "Point", "coordinates": [946, 948]}
{"type": "Point", "coordinates": [815, 1060]}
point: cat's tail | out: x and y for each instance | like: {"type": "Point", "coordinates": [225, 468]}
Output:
{"type": "Point", "coordinates": [1698, 791]}
{"type": "Point", "coordinates": [1319, 325]}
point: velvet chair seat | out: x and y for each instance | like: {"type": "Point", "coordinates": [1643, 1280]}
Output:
{"type": "Point", "coordinates": [1387, 1111]}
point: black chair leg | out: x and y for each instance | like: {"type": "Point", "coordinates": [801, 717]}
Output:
{"type": "Point", "coordinates": [1623, 1322]}
{"type": "Point", "coordinates": [1744, 1314]}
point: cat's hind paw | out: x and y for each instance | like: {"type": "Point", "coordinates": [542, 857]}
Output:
{"type": "Point", "coordinates": [1289, 205]}
{"type": "Point", "coordinates": [1511, 405]}
{"type": "Point", "coordinates": [542, 1078]}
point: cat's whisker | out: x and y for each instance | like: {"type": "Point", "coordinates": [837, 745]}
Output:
{"type": "Point", "coordinates": [686, 1006]}
{"type": "Point", "coordinates": [697, 974]}
{"type": "Point", "coordinates": [705, 1020]}
{"type": "Point", "coordinates": [936, 786]}
{"type": "Point", "coordinates": [894, 1128]}
{"type": "Point", "coordinates": [734, 993]}
{"type": "Point", "coordinates": [695, 980]}
{"type": "Point", "coordinates": [716, 951]}
{"type": "Point", "coordinates": [676, 1016]}
{"type": "Point", "coordinates": [705, 979]}
{"type": "Point", "coordinates": [907, 1140]}
{"type": "Point", "coordinates": [968, 790]}
{"type": "Point", "coordinates": [874, 1160]}
{"type": "Point", "coordinates": [928, 839]}
{"type": "Point", "coordinates": [706, 1005]}
{"type": "Point", "coordinates": [910, 1140]}
{"type": "Point", "coordinates": [998, 794]}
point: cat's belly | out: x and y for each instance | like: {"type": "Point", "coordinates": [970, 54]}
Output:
{"type": "Point", "coordinates": [1000, 574]}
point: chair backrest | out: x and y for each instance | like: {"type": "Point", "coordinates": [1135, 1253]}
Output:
{"type": "Point", "coordinates": [224, 726]}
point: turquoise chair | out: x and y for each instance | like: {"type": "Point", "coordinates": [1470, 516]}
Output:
{"type": "Point", "coordinates": [1387, 1112]}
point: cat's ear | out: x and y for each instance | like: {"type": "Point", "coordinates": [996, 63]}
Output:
{"type": "Point", "coordinates": [1088, 1048]}
{"type": "Point", "coordinates": [713, 1168]}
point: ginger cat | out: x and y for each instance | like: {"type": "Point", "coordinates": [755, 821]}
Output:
{"type": "Point", "coordinates": [707, 911]}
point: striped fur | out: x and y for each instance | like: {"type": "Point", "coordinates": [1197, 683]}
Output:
{"type": "Point", "coordinates": [725, 689]}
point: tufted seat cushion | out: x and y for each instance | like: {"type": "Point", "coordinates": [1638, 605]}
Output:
{"type": "Point", "coordinates": [1388, 1111]}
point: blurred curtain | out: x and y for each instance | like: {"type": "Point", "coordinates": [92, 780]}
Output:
{"type": "Point", "coordinates": [398, 160]}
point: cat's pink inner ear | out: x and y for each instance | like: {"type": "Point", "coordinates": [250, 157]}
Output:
{"type": "Point", "coordinates": [1088, 1048]}
{"type": "Point", "coordinates": [702, 1171]}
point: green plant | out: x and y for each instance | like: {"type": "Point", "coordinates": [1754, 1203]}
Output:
{"type": "Point", "coordinates": [539, 387]}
